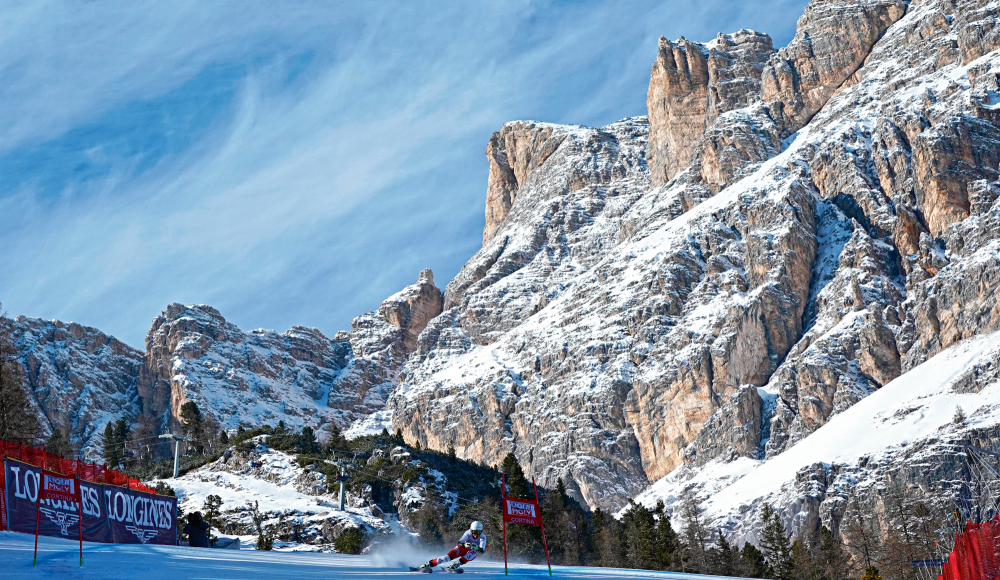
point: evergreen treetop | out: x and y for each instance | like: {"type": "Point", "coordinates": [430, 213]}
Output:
{"type": "Point", "coordinates": [18, 421]}
{"type": "Point", "coordinates": [518, 485]}
{"type": "Point", "coordinates": [58, 444]}
{"type": "Point", "coordinates": [775, 544]}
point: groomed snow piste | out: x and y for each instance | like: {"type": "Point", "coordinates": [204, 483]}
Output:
{"type": "Point", "coordinates": [59, 558]}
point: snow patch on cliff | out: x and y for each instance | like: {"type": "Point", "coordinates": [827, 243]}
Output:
{"type": "Point", "coordinates": [917, 405]}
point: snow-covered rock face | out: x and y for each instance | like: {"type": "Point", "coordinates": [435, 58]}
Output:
{"type": "Point", "coordinates": [299, 376]}
{"type": "Point", "coordinates": [814, 244]}
{"type": "Point", "coordinates": [595, 334]}
{"type": "Point", "coordinates": [906, 431]}
{"type": "Point", "coordinates": [380, 343]}
{"type": "Point", "coordinates": [77, 377]}
{"type": "Point", "coordinates": [691, 84]}
{"type": "Point", "coordinates": [248, 378]}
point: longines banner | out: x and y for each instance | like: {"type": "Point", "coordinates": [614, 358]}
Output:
{"type": "Point", "coordinates": [110, 514]}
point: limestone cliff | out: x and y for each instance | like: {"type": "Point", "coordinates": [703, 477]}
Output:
{"type": "Point", "coordinates": [300, 376]}
{"type": "Point", "coordinates": [77, 378]}
{"type": "Point", "coordinates": [788, 232]}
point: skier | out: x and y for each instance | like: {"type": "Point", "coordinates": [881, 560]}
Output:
{"type": "Point", "coordinates": [472, 543]}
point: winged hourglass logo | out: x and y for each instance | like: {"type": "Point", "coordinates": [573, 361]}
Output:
{"type": "Point", "coordinates": [61, 519]}
{"type": "Point", "coordinates": [143, 534]}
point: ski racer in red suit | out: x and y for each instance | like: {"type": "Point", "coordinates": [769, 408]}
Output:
{"type": "Point", "coordinates": [472, 543]}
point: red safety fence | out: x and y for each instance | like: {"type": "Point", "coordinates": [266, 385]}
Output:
{"type": "Point", "coordinates": [977, 553]}
{"type": "Point", "coordinates": [94, 472]}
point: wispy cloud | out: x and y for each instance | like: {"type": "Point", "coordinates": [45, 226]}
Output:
{"type": "Point", "coordinates": [292, 164]}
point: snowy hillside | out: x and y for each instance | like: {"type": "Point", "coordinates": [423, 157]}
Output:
{"type": "Point", "coordinates": [298, 508]}
{"type": "Point", "coordinates": [59, 559]}
{"type": "Point", "coordinates": [907, 421]}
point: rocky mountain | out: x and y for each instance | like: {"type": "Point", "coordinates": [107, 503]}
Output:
{"type": "Point", "coordinates": [913, 434]}
{"type": "Point", "coordinates": [787, 232]}
{"type": "Point", "coordinates": [79, 378]}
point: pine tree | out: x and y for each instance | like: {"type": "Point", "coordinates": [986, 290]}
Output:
{"type": "Point", "coordinates": [224, 437]}
{"type": "Point", "coordinates": [265, 541]}
{"type": "Point", "coordinates": [191, 415]}
{"type": "Point", "coordinates": [753, 563]}
{"type": "Point", "coordinates": [565, 527]}
{"type": "Point", "coordinates": [518, 485]}
{"type": "Point", "coordinates": [17, 417]}
{"type": "Point", "coordinates": [335, 440]}
{"type": "Point", "coordinates": [667, 540]}
{"type": "Point", "coordinates": [804, 565]}
{"type": "Point", "coordinates": [112, 446]}
{"type": "Point", "coordinates": [608, 545]}
{"type": "Point", "coordinates": [871, 573]}
{"type": "Point", "coordinates": [307, 441]}
{"type": "Point", "coordinates": [524, 541]}
{"type": "Point", "coordinates": [640, 537]}
{"type": "Point", "coordinates": [831, 557]}
{"type": "Point", "coordinates": [726, 561]}
{"type": "Point", "coordinates": [696, 538]}
{"type": "Point", "coordinates": [430, 519]}
{"type": "Point", "coordinates": [212, 511]}
{"type": "Point", "coordinates": [122, 430]}
{"type": "Point", "coordinates": [775, 545]}
{"type": "Point", "coordinates": [58, 444]}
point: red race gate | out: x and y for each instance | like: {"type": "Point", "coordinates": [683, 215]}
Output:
{"type": "Point", "coordinates": [524, 512]}
{"type": "Point", "coordinates": [57, 488]}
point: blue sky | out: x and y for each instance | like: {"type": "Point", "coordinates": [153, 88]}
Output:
{"type": "Point", "coordinates": [293, 163]}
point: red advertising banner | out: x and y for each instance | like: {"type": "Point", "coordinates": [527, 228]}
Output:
{"type": "Point", "coordinates": [58, 488]}
{"type": "Point", "coordinates": [518, 511]}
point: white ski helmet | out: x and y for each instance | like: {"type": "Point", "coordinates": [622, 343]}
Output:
{"type": "Point", "coordinates": [476, 526]}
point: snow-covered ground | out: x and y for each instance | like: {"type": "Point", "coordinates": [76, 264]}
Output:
{"type": "Point", "coordinates": [59, 558]}
{"type": "Point", "coordinates": [289, 495]}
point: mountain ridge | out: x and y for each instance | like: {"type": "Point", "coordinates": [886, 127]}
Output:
{"type": "Point", "coordinates": [785, 233]}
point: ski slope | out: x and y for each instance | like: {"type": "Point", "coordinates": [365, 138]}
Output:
{"type": "Point", "coordinates": [58, 558]}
